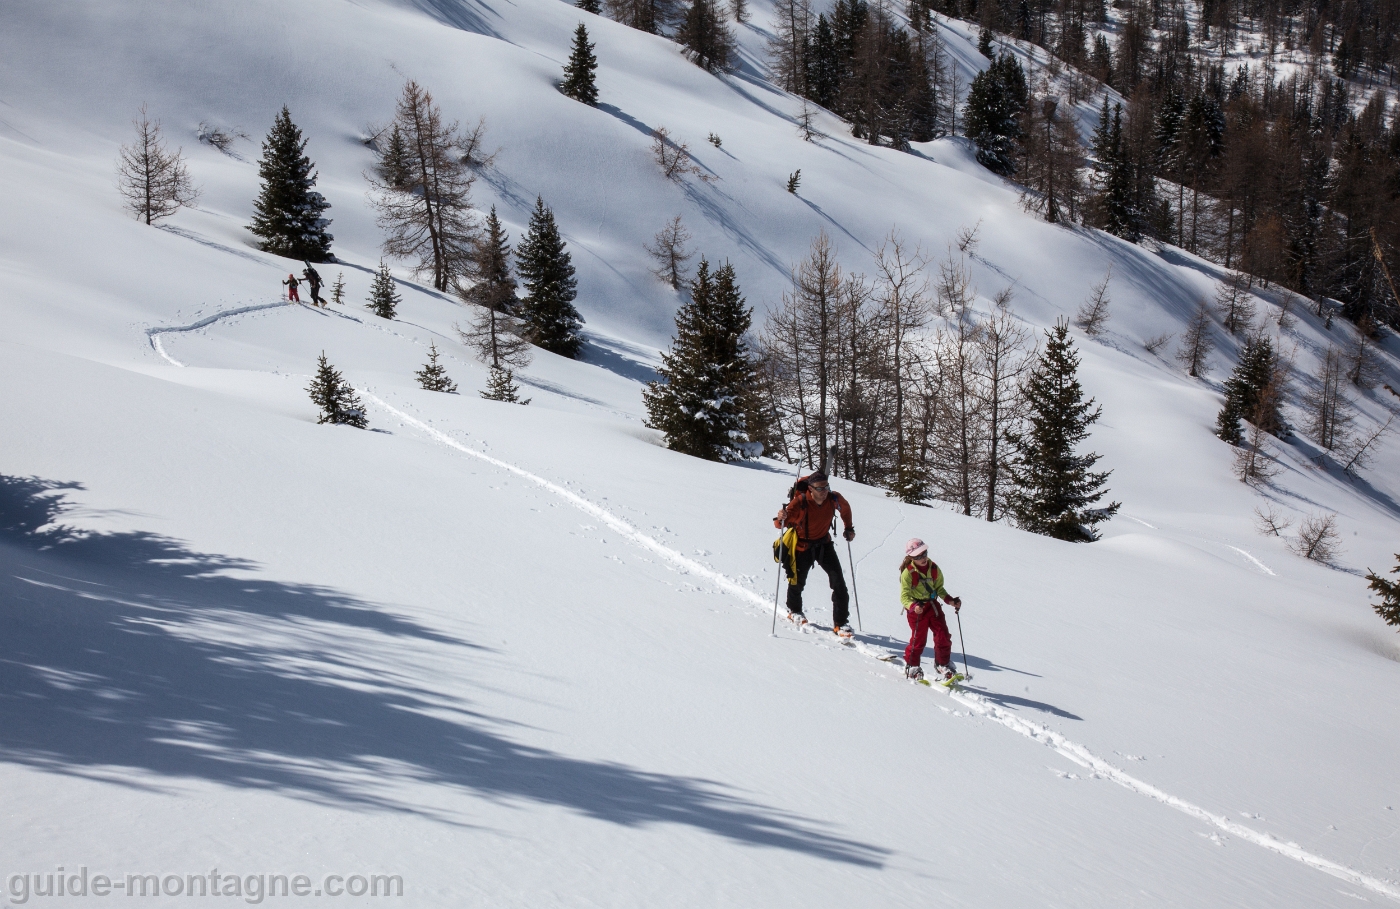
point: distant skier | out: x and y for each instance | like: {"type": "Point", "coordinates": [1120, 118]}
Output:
{"type": "Point", "coordinates": [292, 283]}
{"type": "Point", "coordinates": [313, 278]}
{"type": "Point", "coordinates": [920, 587]}
{"type": "Point", "coordinates": [811, 513]}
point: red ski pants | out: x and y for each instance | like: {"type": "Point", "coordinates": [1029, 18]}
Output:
{"type": "Point", "coordinates": [920, 624]}
{"type": "Point", "coordinates": [292, 295]}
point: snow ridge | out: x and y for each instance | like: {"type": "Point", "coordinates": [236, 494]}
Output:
{"type": "Point", "coordinates": [973, 701]}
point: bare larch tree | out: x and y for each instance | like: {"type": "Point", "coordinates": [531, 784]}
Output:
{"type": "Point", "coordinates": [668, 251]}
{"type": "Point", "coordinates": [427, 217]}
{"type": "Point", "coordinates": [152, 179]}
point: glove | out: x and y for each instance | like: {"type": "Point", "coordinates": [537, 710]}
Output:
{"type": "Point", "coordinates": [957, 604]}
{"type": "Point", "coordinates": [849, 533]}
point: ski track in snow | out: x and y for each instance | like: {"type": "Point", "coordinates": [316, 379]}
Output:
{"type": "Point", "coordinates": [1036, 732]}
{"type": "Point", "coordinates": [153, 334]}
{"type": "Point", "coordinates": [1260, 565]}
{"type": "Point", "coordinates": [970, 699]}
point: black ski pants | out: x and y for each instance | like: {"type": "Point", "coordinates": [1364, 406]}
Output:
{"type": "Point", "coordinates": [823, 553]}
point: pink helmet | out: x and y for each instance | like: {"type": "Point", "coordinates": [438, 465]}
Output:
{"type": "Point", "coordinates": [915, 548]}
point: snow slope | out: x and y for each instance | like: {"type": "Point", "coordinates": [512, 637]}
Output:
{"type": "Point", "coordinates": [521, 656]}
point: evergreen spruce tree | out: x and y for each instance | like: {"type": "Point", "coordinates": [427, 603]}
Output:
{"type": "Point", "coordinates": [494, 287]}
{"type": "Point", "coordinates": [991, 117]}
{"type": "Point", "coordinates": [495, 333]}
{"type": "Point", "coordinates": [984, 44]}
{"type": "Point", "coordinates": [824, 65]}
{"type": "Point", "coordinates": [1389, 606]}
{"type": "Point", "coordinates": [394, 165]}
{"type": "Point", "coordinates": [1054, 488]}
{"type": "Point", "coordinates": [337, 399]}
{"type": "Point", "coordinates": [579, 81]}
{"type": "Point", "coordinates": [706, 37]}
{"type": "Point", "coordinates": [383, 298]}
{"type": "Point", "coordinates": [338, 289]}
{"type": "Point", "coordinates": [287, 213]}
{"type": "Point", "coordinates": [590, 6]}
{"type": "Point", "coordinates": [1116, 202]}
{"type": "Point", "coordinates": [1250, 392]}
{"type": "Point", "coordinates": [702, 406]}
{"type": "Point", "coordinates": [433, 376]}
{"type": "Point", "coordinates": [547, 271]}
{"type": "Point", "coordinates": [1102, 141]}
{"type": "Point", "coordinates": [500, 386]}
{"type": "Point", "coordinates": [1227, 422]}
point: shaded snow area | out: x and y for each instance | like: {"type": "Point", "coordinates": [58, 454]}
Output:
{"type": "Point", "coordinates": [520, 656]}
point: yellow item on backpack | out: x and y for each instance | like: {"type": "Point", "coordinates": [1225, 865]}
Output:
{"type": "Point", "coordinates": [785, 553]}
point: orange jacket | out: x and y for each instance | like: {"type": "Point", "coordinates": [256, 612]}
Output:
{"type": "Point", "coordinates": [813, 521]}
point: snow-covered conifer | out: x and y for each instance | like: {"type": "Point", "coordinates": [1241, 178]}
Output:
{"type": "Point", "coordinates": [1055, 489]}
{"type": "Point", "coordinates": [579, 82]}
{"type": "Point", "coordinates": [433, 376]}
{"type": "Point", "coordinates": [383, 297]}
{"type": "Point", "coordinates": [337, 399]}
{"type": "Point", "coordinates": [287, 213]}
{"type": "Point", "coordinates": [550, 286]}
{"type": "Point", "coordinates": [709, 374]}
{"type": "Point", "coordinates": [990, 117]}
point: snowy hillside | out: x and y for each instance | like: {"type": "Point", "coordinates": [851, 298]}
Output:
{"type": "Point", "coordinates": [521, 656]}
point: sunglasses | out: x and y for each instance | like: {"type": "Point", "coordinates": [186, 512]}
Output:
{"type": "Point", "coordinates": [816, 488]}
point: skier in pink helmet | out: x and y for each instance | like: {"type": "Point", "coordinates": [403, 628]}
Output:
{"type": "Point", "coordinates": [920, 589]}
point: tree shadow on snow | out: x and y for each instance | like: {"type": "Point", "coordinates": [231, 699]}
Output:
{"type": "Point", "coordinates": [625, 359]}
{"type": "Point", "coordinates": [131, 658]}
{"type": "Point", "coordinates": [464, 14]}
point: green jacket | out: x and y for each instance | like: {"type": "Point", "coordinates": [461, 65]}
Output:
{"type": "Point", "coordinates": [916, 586]}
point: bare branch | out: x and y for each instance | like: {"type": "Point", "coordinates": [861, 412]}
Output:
{"type": "Point", "coordinates": [1154, 344]}
{"type": "Point", "coordinates": [1360, 451]}
{"type": "Point", "coordinates": [1092, 317]}
{"type": "Point", "coordinates": [671, 156]}
{"type": "Point", "coordinates": [670, 254]}
{"type": "Point", "coordinates": [1318, 538]}
{"type": "Point", "coordinates": [968, 238]}
{"type": "Point", "coordinates": [1196, 343]}
{"type": "Point", "coordinates": [1271, 522]}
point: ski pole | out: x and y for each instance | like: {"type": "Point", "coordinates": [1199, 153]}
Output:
{"type": "Point", "coordinates": [777, 587]}
{"type": "Point", "coordinates": [967, 673]}
{"type": "Point", "coordinates": [854, 589]}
